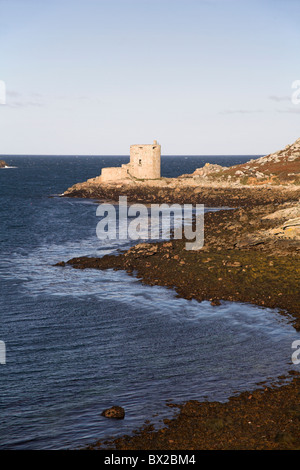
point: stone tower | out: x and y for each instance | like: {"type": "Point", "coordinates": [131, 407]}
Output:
{"type": "Point", "coordinates": [145, 161]}
{"type": "Point", "coordinates": [144, 164]}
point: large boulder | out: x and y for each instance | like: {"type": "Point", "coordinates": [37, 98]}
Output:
{"type": "Point", "coordinates": [115, 412]}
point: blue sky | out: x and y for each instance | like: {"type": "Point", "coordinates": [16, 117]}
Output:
{"type": "Point", "coordinates": [203, 77]}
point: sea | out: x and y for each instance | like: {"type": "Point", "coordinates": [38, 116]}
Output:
{"type": "Point", "coordinates": [80, 341]}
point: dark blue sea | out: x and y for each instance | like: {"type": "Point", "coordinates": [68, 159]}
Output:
{"type": "Point", "coordinates": [78, 342]}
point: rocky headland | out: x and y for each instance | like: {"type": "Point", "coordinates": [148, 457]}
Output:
{"type": "Point", "coordinates": [272, 178]}
{"type": "Point", "coordinates": [251, 254]}
{"type": "Point", "coordinates": [279, 168]}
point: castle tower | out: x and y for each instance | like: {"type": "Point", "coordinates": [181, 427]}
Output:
{"type": "Point", "coordinates": [144, 164]}
{"type": "Point", "coordinates": [145, 161]}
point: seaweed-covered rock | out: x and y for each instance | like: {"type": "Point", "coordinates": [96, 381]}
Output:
{"type": "Point", "coordinates": [115, 412]}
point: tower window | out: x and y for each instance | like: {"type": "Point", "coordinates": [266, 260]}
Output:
{"type": "Point", "coordinates": [140, 161]}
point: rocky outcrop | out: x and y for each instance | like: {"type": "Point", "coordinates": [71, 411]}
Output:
{"type": "Point", "coordinates": [207, 170]}
{"type": "Point", "coordinates": [142, 249]}
{"type": "Point", "coordinates": [188, 191]}
{"type": "Point", "coordinates": [279, 170]}
{"type": "Point", "coordinates": [115, 412]}
{"type": "Point", "coordinates": [281, 167]}
{"type": "Point", "coordinates": [3, 164]}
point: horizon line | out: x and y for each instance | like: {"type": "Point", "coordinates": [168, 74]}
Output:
{"type": "Point", "coordinates": [123, 155]}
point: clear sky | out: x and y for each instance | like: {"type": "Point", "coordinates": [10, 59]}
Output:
{"type": "Point", "coordinates": [203, 77]}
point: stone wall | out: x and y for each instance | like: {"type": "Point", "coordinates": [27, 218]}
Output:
{"type": "Point", "coordinates": [113, 173]}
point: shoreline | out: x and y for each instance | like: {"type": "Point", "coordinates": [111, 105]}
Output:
{"type": "Point", "coordinates": [209, 194]}
{"type": "Point", "coordinates": [263, 419]}
{"type": "Point", "coordinates": [247, 257]}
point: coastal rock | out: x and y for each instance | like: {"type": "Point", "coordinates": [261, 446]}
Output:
{"type": "Point", "coordinates": [233, 264]}
{"type": "Point", "coordinates": [289, 212]}
{"type": "Point", "coordinates": [291, 229]}
{"type": "Point", "coordinates": [3, 164]}
{"type": "Point", "coordinates": [249, 241]}
{"type": "Point", "coordinates": [143, 249]}
{"type": "Point", "coordinates": [280, 167]}
{"type": "Point", "coordinates": [292, 223]}
{"type": "Point", "coordinates": [115, 412]}
{"type": "Point", "coordinates": [208, 169]}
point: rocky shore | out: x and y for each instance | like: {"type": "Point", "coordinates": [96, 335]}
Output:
{"type": "Point", "coordinates": [273, 178]}
{"type": "Point", "coordinates": [266, 419]}
{"type": "Point", "coordinates": [211, 195]}
{"type": "Point", "coordinates": [251, 254]}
